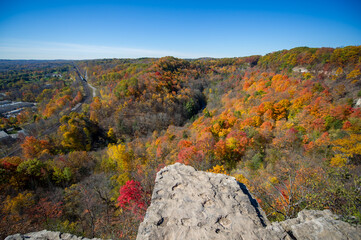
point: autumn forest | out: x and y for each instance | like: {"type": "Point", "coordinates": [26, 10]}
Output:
{"type": "Point", "coordinates": [83, 158]}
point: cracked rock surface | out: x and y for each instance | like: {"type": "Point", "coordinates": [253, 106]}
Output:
{"type": "Point", "coordinates": [46, 235]}
{"type": "Point", "coordinates": [190, 204]}
{"type": "Point", "coordinates": [311, 224]}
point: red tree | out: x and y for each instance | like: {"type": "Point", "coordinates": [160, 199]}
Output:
{"type": "Point", "coordinates": [131, 197]}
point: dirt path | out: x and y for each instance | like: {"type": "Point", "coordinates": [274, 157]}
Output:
{"type": "Point", "coordinates": [94, 90]}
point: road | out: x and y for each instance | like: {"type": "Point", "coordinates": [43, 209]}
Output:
{"type": "Point", "coordinates": [94, 90]}
{"type": "Point", "coordinates": [89, 93]}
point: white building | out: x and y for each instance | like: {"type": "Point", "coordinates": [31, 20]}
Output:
{"type": "Point", "coordinates": [3, 134]}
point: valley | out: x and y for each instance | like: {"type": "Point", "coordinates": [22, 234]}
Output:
{"type": "Point", "coordinates": [286, 124]}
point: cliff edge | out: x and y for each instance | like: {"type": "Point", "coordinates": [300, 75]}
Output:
{"type": "Point", "coordinates": [190, 204]}
{"type": "Point", "coordinates": [195, 205]}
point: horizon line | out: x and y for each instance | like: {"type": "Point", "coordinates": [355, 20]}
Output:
{"type": "Point", "coordinates": [158, 57]}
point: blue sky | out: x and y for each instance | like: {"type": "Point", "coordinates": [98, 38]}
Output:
{"type": "Point", "coordinates": [65, 29]}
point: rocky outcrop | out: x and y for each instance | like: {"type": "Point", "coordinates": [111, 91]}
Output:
{"type": "Point", "coordinates": [46, 235]}
{"type": "Point", "coordinates": [190, 204]}
{"type": "Point", "coordinates": [311, 224]}
{"type": "Point", "coordinates": [187, 204]}
{"type": "Point", "coordinates": [300, 69]}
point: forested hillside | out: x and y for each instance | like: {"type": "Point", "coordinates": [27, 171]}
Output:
{"type": "Point", "coordinates": [286, 124]}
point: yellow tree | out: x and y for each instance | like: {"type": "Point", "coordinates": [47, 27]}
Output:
{"type": "Point", "coordinates": [118, 162]}
{"type": "Point", "coordinates": [346, 149]}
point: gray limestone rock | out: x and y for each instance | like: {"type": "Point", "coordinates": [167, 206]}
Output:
{"type": "Point", "coordinates": [190, 204]}
{"type": "Point", "coordinates": [46, 235]}
{"type": "Point", "coordinates": [311, 224]}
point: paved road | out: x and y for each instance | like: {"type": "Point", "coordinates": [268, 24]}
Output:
{"type": "Point", "coordinates": [89, 93]}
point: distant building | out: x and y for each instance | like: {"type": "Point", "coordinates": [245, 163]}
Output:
{"type": "Point", "coordinates": [19, 134]}
{"type": "Point", "coordinates": [3, 135]}
{"type": "Point", "coordinates": [10, 109]}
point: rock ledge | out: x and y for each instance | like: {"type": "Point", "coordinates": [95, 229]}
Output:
{"type": "Point", "coordinates": [190, 204]}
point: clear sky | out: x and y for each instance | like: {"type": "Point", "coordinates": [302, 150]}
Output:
{"type": "Point", "coordinates": [53, 29]}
